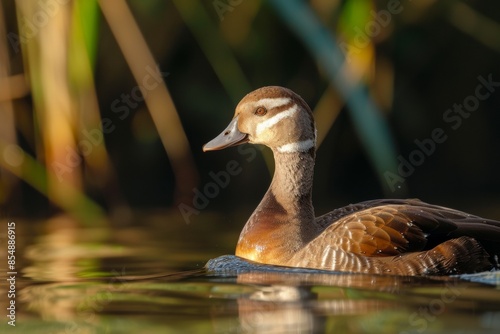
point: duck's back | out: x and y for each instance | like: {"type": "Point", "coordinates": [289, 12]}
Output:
{"type": "Point", "coordinates": [404, 237]}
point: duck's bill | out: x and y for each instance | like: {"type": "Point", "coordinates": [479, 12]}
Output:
{"type": "Point", "coordinates": [231, 136]}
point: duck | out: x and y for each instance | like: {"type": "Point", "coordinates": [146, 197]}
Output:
{"type": "Point", "coordinates": [405, 237]}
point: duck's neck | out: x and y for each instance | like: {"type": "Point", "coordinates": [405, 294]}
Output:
{"type": "Point", "coordinates": [284, 220]}
{"type": "Point", "coordinates": [292, 185]}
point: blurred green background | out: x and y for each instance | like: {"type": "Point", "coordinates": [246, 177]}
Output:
{"type": "Point", "coordinates": [105, 105]}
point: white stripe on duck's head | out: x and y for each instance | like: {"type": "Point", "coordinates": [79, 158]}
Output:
{"type": "Point", "coordinates": [273, 116]}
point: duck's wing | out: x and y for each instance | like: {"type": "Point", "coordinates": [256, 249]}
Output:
{"type": "Point", "coordinates": [392, 227]}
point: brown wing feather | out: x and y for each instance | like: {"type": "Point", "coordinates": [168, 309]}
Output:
{"type": "Point", "coordinates": [379, 231]}
{"type": "Point", "coordinates": [392, 227]}
{"type": "Point", "coordinates": [404, 237]}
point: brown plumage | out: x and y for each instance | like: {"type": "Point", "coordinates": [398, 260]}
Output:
{"type": "Point", "coordinates": [403, 237]}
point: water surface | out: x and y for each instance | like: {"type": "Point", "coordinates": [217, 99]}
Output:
{"type": "Point", "coordinates": [149, 277]}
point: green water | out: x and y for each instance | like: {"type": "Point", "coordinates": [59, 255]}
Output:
{"type": "Point", "coordinates": [148, 277]}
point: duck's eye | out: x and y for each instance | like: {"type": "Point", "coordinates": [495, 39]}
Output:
{"type": "Point", "coordinates": [260, 111]}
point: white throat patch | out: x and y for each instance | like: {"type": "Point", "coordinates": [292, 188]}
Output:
{"type": "Point", "coordinates": [300, 146]}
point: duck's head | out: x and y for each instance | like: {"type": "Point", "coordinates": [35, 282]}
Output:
{"type": "Point", "coordinates": [273, 116]}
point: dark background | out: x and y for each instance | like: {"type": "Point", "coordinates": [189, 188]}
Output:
{"type": "Point", "coordinates": [426, 60]}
